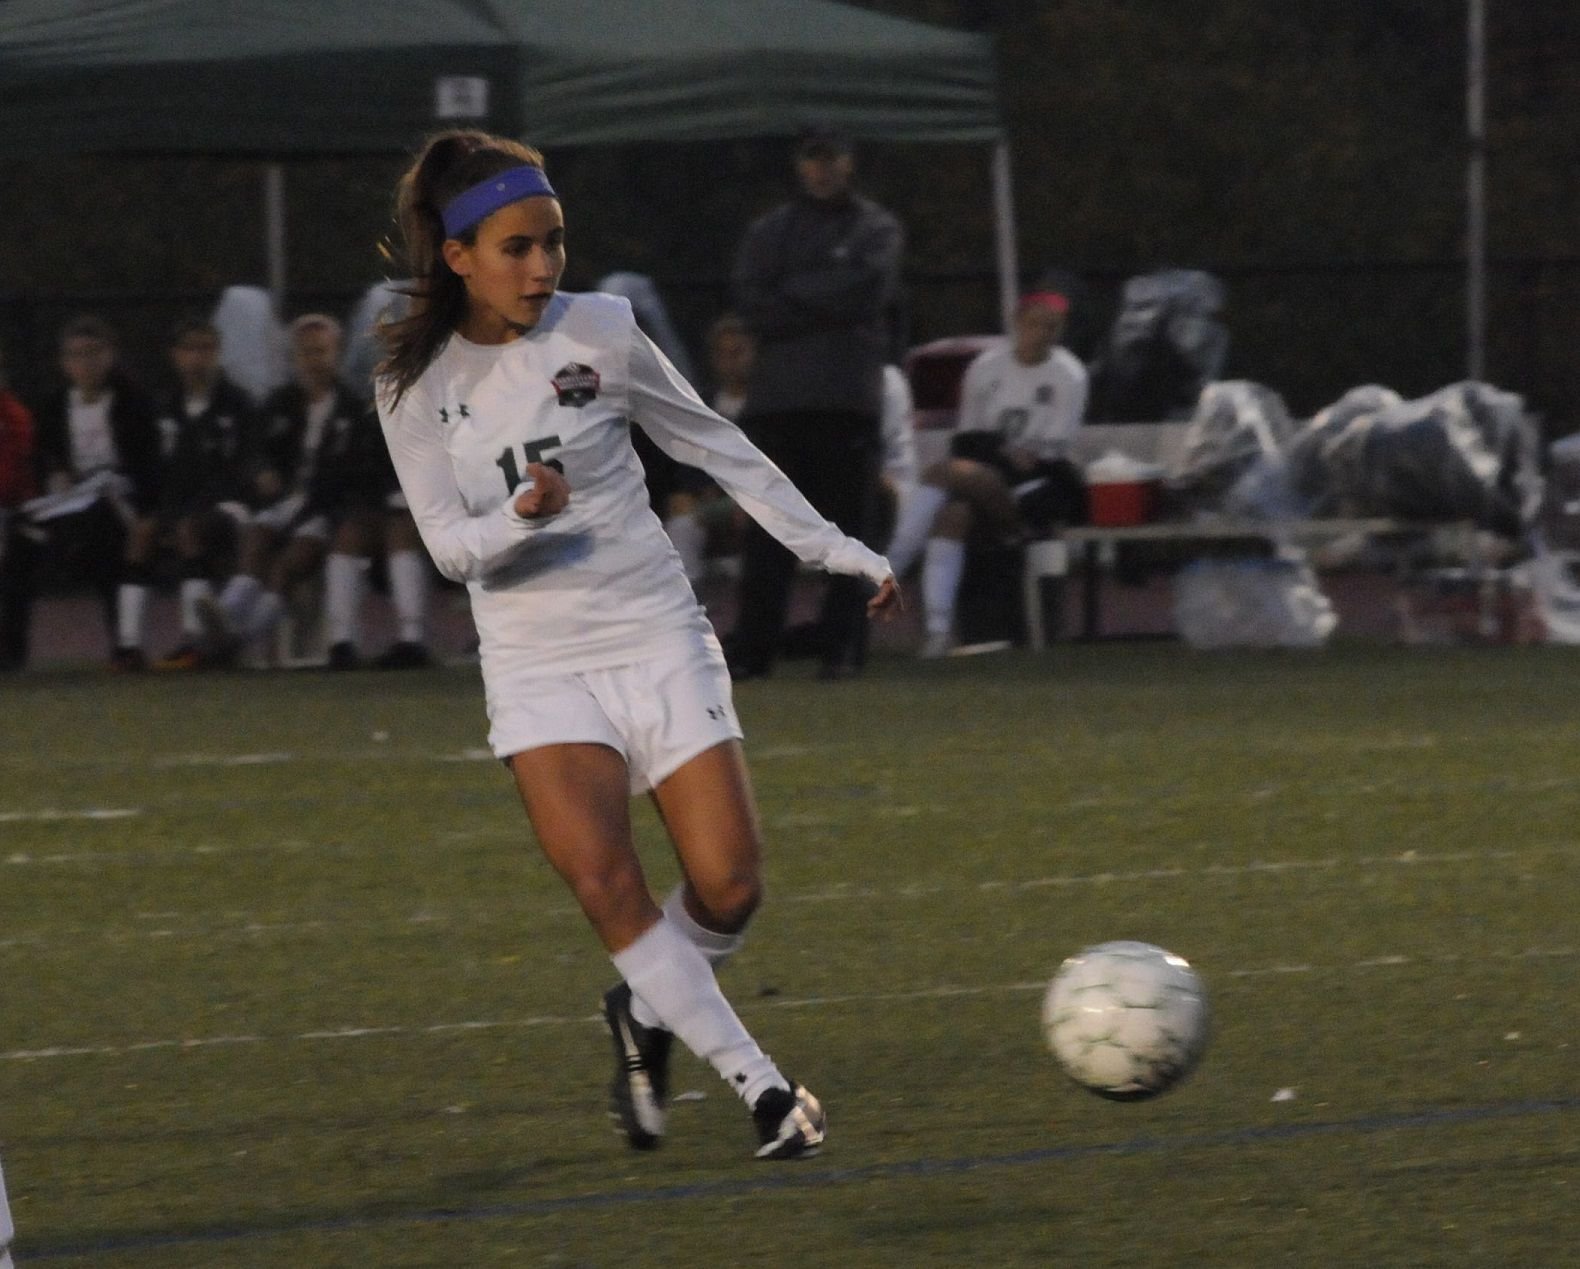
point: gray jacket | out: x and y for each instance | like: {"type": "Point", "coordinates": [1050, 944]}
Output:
{"type": "Point", "coordinates": [814, 283]}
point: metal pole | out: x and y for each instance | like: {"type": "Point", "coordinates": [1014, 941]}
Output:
{"type": "Point", "coordinates": [1004, 233]}
{"type": "Point", "coordinates": [274, 230]}
{"type": "Point", "coordinates": [1476, 192]}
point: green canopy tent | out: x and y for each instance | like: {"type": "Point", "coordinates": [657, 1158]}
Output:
{"type": "Point", "coordinates": [273, 80]}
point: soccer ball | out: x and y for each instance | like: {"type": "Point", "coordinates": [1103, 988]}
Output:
{"type": "Point", "coordinates": [1126, 1020]}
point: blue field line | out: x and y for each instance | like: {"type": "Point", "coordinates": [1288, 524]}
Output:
{"type": "Point", "coordinates": [810, 1176]}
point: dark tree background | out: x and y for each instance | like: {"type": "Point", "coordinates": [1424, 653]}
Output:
{"type": "Point", "coordinates": [1309, 152]}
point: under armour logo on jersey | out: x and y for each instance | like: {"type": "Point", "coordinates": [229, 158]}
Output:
{"type": "Point", "coordinates": [444, 413]}
{"type": "Point", "coordinates": [716, 712]}
{"type": "Point", "coordinates": [1044, 394]}
{"type": "Point", "coordinates": [576, 384]}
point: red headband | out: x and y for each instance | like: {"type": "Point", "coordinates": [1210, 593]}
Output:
{"type": "Point", "coordinates": [1046, 299]}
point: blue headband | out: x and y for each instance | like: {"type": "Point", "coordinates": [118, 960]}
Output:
{"type": "Point", "coordinates": [486, 197]}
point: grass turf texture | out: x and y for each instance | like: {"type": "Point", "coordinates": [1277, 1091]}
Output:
{"type": "Point", "coordinates": [334, 1010]}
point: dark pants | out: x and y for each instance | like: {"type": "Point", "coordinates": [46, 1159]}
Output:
{"type": "Point", "coordinates": [87, 548]}
{"type": "Point", "coordinates": [833, 458]}
{"type": "Point", "coordinates": [18, 561]}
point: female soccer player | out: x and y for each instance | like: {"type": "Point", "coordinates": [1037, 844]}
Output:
{"type": "Point", "coordinates": [507, 407]}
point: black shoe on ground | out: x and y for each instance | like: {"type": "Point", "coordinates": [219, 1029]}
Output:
{"type": "Point", "coordinates": [404, 655]}
{"type": "Point", "coordinates": [639, 1094]}
{"type": "Point", "coordinates": [343, 656]}
{"type": "Point", "coordinates": [128, 661]}
{"type": "Point", "coordinates": [790, 1123]}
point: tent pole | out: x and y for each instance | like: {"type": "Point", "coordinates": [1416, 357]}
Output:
{"type": "Point", "coordinates": [1476, 192]}
{"type": "Point", "coordinates": [1004, 234]}
{"type": "Point", "coordinates": [274, 230]}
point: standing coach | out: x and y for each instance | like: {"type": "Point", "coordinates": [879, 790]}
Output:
{"type": "Point", "coordinates": [816, 281]}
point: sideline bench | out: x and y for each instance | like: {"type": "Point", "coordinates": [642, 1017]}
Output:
{"type": "Point", "coordinates": [1095, 550]}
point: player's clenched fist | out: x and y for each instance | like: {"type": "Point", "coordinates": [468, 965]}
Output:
{"type": "Point", "coordinates": [544, 493]}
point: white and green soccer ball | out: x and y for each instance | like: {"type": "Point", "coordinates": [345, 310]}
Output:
{"type": "Point", "coordinates": [1126, 1020]}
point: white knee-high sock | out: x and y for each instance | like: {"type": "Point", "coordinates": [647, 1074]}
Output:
{"type": "Point", "coordinates": [674, 978]}
{"type": "Point", "coordinates": [409, 592]}
{"type": "Point", "coordinates": [913, 523]}
{"type": "Point", "coordinates": [193, 591]}
{"type": "Point", "coordinates": [343, 578]}
{"type": "Point", "coordinates": [716, 948]}
{"type": "Point", "coordinates": [131, 610]}
{"type": "Point", "coordinates": [941, 569]}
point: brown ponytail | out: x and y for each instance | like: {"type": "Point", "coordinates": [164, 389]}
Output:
{"type": "Point", "coordinates": [449, 164]}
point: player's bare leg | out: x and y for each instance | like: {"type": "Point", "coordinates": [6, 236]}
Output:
{"type": "Point", "coordinates": [711, 815]}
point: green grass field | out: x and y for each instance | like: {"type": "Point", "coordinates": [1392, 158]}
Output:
{"type": "Point", "coordinates": [285, 982]}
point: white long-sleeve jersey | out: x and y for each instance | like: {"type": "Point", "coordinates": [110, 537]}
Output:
{"type": "Point", "coordinates": [598, 584]}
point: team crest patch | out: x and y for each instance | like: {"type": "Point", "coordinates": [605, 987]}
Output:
{"type": "Point", "coordinates": [575, 384]}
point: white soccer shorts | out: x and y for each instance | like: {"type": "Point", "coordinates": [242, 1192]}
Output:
{"type": "Point", "coordinates": [657, 713]}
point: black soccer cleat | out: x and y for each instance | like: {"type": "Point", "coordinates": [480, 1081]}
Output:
{"type": "Point", "coordinates": [405, 655]}
{"type": "Point", "coordinates": [790, 1123]}
{"type": "Point", "coordinates": [639, 1093]}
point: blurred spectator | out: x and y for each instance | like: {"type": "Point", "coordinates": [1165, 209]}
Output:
{"type": "Point", "coordinates": [320, 480]}
{"type": "Point", "coordinates": [18, 540]}
{"type": "Point", "coordinates": [99, 462]}
{"type": "Point", "coordinates": [731, 354]}
{"type": "Point", "coordinates": [1009, 471]}
{"type": "Point", "coordinates": [382, 302]}
{"type": "Point", "coordinates": [702, 522]}
{"type": "Point", "coordinates": [207, 426]}
{"type": "Point", "coordinates": [392, 532]}
{"type": "Point", "coordinates": [252, 341]}
{"type": "Point", "coordinates": [815, 282]}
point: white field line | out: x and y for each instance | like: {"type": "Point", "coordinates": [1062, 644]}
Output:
{"type": "Point", "coordinates": [804, 1002]}
{"type": "Point", "coordinates": [50, 816]}
{"type": "Point", "coordinates": [270, 759]}
{"type": "Point", "coordinates": [250, 926]}
{"type": "Point", "coordinates": [1269, 867]}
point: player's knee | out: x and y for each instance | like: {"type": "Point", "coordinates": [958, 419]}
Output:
{"type": "Point", "coordinates": [610, 893]}
{"type": "Point", "coordinates": [731, 900]}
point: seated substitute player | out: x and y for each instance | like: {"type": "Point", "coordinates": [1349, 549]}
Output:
{"type": "Point", "coordinates": [207, 423]}
{"type": "Point", "coordinates": [1009, 470]}
{"type": "Point", "coordinates": [100, 427]}
{"type": "Point", "coordinates": [508, 408]}
{"type": "Point", "coordinates": [319, 485]}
